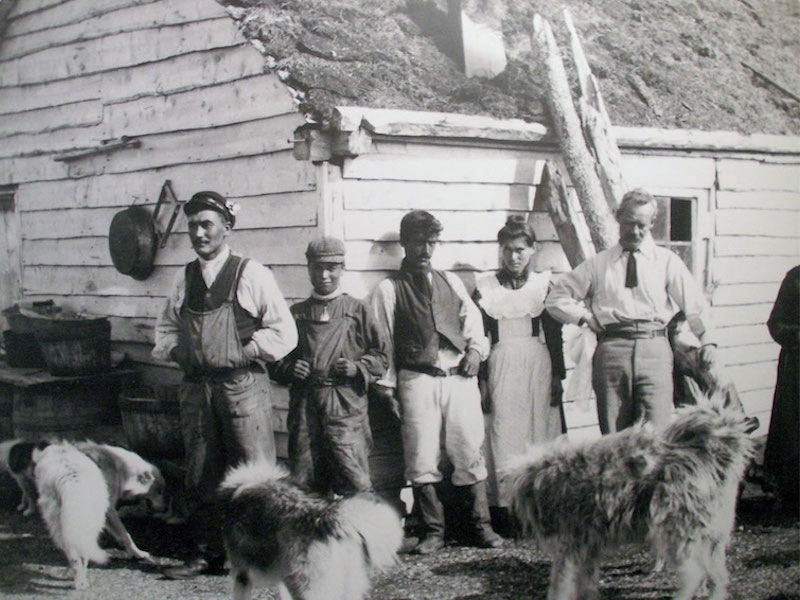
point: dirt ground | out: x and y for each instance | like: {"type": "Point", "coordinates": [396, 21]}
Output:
{"type": "Point", "coordinates": [764, 560]}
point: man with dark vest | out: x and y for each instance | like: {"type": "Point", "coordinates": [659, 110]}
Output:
{"type": "Point", "coordinates": [223, 319]}
{"type": "Point", "coordinates": [438, 344]}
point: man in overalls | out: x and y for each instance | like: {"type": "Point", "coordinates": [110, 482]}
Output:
{"type": "Point", "coordinates": [223, 318]}
{"type": "Point", "coordinates": [340, 352]}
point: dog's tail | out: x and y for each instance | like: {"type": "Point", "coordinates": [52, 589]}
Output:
{"type": "Point", "coordinates": [80, 523]}
{"type": "Point", "coordinates": [376, 523]}
{"type": "Point", "coordinates": [75, 507]}
{"type": "Point", "coordinates": [249, 474]}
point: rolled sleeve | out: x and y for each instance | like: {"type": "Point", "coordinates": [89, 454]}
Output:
{"type": "Point", "coordinates": [470, 315]}
{"type": "Point", "coordinates": [260, 295]}
{"type": "Point", "coordinates": [168, 324]}
{"type": "Point", "coordinates": [382, 302]}
{"type": "Point", "coordinates": [566, 300]}
{"type": "Point", "coordinates": [687, 293]}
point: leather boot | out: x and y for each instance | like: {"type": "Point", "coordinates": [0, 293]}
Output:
{"type": "Point", "coordinates": [480, 521]}
{"type": "Point", "coordinates": [432, 513]}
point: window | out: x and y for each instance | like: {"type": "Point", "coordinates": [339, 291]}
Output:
{"type": "Point", "coordinates": [675, 227]}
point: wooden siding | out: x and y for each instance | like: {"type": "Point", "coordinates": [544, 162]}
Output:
{"type": "Point", "coordinates": [756, 241]}
{"type": "Point", "coordinates": [178, 76]}
{"type": "Point", "coordinates": [752, 231]}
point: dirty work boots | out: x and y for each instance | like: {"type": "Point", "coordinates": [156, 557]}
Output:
{"type": "Point", "coordinates": [432, 513]}
{"type": "Point", "coordinates": [480, 523]}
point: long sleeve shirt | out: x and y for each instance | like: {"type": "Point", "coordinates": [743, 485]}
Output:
{"type": "Point", "coordinates": [257, 293]}
{"type": "Point", "coordinates": [597, 287]}
{"type": "Point", "coordinates": [383, 301]}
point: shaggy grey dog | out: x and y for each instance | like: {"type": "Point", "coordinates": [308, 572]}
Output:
{"type": "Point", "coordinates": [313, 548]}
{"type": "Point", "coordinates": [675, 489]}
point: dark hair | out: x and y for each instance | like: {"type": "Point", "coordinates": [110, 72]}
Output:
{"type": "Point", "coordinates": [419, 222]}
{"type": "Point", "coordinates": [516, 226]}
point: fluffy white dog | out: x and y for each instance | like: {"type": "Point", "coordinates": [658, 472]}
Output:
{"type": "Point", "coordinates": [675, 488]}
{"type": "Point", "coordinates": [79, 486]}
{"type": "Point", "coordinates": [313, 548]}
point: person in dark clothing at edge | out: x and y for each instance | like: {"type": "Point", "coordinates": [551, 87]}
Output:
{"type": "Point", "coordinates": [224, 317]}
{"type": "Point", "coordinates": [438, 343]}
{"type": "Point", "coordinates": [339, 354]}
{"type": "Point", "coordinates": [782, 453]}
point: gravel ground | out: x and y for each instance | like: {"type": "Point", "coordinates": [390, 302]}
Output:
{"type": "Point", "coordinates": [764, 560]}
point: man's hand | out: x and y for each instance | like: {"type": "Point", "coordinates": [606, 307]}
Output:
{"type": "Point", "coordinates": [301, 370]}
{"type": "Point", "coordinates": [708, 356]}
{"type": "Point", "coordinates": [344, 368]}
{"type": "Point", "coordinates": [592, 323]}
{"type": "Point", "coordinates": [470, 362]}
{"type": "Point", "coordinates": [386, 394]}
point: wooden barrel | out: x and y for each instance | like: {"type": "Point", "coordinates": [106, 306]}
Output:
{"type": "Point", "coordinates": [74, 346]}
{"type": "Point", "coordinates": [62, 410]}
{"type": "Point", "coordinates": [151, 421]}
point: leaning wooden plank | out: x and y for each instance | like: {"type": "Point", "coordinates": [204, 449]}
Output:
{"type": "Point", "coordinates": [580, 165]}
{"type": "Point", "coordinates": [552, 193]}
{"type": "Point", "coordinates": [771, 81]}
{"type": "Point", "coordinates": [596, 124]}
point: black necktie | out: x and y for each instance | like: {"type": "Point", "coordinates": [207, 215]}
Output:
{"type": "Point", "coordinates": [631, 280]}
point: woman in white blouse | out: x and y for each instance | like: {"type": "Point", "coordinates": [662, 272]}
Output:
{"type": "Point", "coordinates": [522, 378]}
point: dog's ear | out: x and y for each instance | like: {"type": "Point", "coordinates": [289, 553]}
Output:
{"type": "Point", "coordinates": [146, 477]}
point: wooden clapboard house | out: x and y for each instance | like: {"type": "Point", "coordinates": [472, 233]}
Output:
{"type": "Point", "coordinates": [101, 103]}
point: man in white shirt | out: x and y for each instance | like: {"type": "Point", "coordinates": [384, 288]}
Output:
{"type": "Point", "coordinates": [627, 295]}
{"type": "Point", "coordinates": [438, 343]}
{"type": "Point", "coordinates": [224, 317]}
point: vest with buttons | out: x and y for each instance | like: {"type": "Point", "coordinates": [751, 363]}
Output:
{"type": "Point", "coordinates": [422, 325]}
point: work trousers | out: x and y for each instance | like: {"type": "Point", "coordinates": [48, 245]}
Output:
{"type": "Point", "coordinates": [632, 379]}
{"type": "Point", "coordinates": [224, 423]}
{"type": "Point", "coordinates": [441, 412]}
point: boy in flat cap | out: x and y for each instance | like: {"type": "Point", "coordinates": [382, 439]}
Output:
{"type": "Point", "coordinates": [340, 352]}
{"type": "Point", "coordinates": [223, 318]}
{"type": "Point", "coordinates": [438, 344]}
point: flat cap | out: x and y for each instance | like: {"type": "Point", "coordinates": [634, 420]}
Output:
{"type": "Point", "coordinates": [325, 249]}
{"type": "Point", "coordinates": [208, 200]}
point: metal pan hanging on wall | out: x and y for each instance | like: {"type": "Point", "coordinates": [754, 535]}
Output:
{"type": "Point", "coordinates": [133, 239]}
{"type": "Point", "coordinates": [132, 242]}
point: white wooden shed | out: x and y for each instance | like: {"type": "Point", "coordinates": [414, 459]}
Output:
{"type": "Point", "coordinates": [100, 104]}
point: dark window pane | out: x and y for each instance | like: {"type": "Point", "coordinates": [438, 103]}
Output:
{"type": "Point", "coordinates": [680, 220]}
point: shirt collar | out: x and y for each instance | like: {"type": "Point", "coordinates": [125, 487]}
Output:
{"type": "Point", "coordinates": [515, 281]}
{"type": "Point", "coordinates": [334, 294]}
{"type": "Point", "coordinates": [647, 249]}
{"type": "Point", "coordinates": [217, 261]}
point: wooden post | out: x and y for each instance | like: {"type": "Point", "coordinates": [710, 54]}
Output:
{"type": "Point", "coordinates": [552, 192]}
{"type": "Point", "coordinates": [569, 135]}
{"type": "Point", "coordinates": [597, 124]}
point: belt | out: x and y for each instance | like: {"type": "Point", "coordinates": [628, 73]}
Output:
{"type": "Point", "coordinates": [633, 334]}
{"type": "Point", "coordinates": [222, 374]}
{"type": "Point", "coordinates": [432, 371]}
{"type": "Point", "coordinates": [326, 382]}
